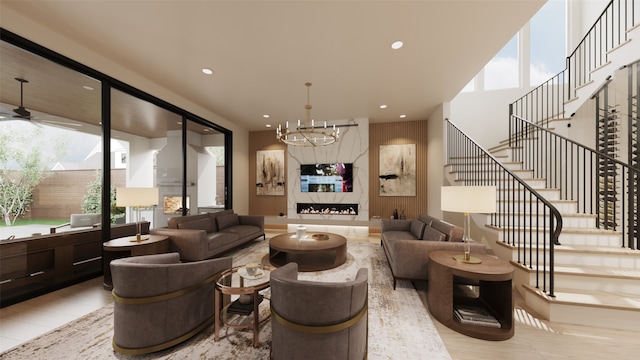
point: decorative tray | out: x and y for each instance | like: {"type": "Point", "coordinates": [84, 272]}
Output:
{"type": "Point", "coordinates": [243, 272]}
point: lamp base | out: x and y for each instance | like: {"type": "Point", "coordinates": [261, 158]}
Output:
{"type": "Point", "coordinates": [138, 238]}
{"type": "Point", "coordinates": [470, 260]}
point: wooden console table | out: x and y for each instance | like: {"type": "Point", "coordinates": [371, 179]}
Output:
{"type": "Point", "coordinates": [493, 277]}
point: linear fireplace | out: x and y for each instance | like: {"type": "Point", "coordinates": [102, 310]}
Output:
{"type": "Point", "coordinates": [327, 209]}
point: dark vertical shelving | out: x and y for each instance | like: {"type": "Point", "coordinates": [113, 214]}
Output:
{"type": "Point", "coordinates": [608, 128]}
{"type": "Point", "coordinates": [634, 160]}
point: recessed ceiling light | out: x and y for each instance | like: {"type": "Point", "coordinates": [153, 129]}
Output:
{"type": "Point", "coordinates": [383, 106]}
{"type": "Point", "coordinates": [206, 129]}
{"type": "Point", "coordinates": [397, 45]}
{"type": "Point", "coordinates": [87, 87]}
{"type": "Point", "coordinates": [207, 71]}
{"type": "Point", "coordinates": [266, 116]}
{"type": "Point", "coordinates": [268, 125]}
{"type": "Point", "coordinates": [403, 116]}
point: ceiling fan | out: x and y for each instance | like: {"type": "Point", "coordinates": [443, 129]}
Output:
{"type": "Point", "coordinates": [21, 113]}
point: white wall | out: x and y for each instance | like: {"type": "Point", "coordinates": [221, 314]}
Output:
{"type": "Point", "coordinates": [484, 115]}
{"type": "Point", "coordinates": [436, 157]}
{"type": "Point", "coordinates": [583, 14]}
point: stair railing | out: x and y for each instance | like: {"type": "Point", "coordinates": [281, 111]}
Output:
{"type": "Point", "coordinates": [610, 30]}
{"type": "Point", "coordinates": [577, 171]}
{"type": "Point", "coordinates": [528, 222]}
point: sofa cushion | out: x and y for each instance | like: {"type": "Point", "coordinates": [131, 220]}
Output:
{"type": "Point", "coordinates": [417, 227]}
{"type": "Point", "coordinates": [173, 222]}
{"type": "Point", "coordinates": [398, 235]}
{"type": "Point", "coordinates": [453, 233]}
{"type": "Point", "coordinates": [218, 240]}
{"type": "Point", "coordinates": [201, 224]}
{"type": "Point", "coordinates": [243, 230]}
{"type": "Point", "coordinates": [426, 219]}
{"type": "Point", "coordinates": [431, 234]}
{"type": "Point", "coordinates": [225, 221]}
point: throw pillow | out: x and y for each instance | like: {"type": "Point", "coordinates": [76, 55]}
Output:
{"type": "Point", "coordinates": [201, 224]}
{"type": "Point", "coordinates": [432, 234]}
{"type": "Point", "coordinates": [417, 227]}
{"type": "Point", "coordinates": [224, 221]}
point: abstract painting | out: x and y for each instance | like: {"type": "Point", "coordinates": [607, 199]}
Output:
{"type": "Point", "coordinates": [398, 170]}
{"type": "Point", "coordinates": [270, 172]}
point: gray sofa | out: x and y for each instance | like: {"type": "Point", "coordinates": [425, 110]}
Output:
{"type": "Point", "coordinates": [407, 244]}
{"type": "Point", "coordinates": [203, 236]}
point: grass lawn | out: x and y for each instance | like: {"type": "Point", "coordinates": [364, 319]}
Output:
{"type": "Point", "coordinates": [35, 222]}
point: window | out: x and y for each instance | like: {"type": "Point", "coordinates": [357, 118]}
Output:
{"type": "Point", "coordinates": [548, 42]}
{"type": "Point", "coordinates": [502, 71]}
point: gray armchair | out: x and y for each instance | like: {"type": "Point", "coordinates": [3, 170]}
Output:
{"type": "Point", "coordinates": [318, 320]}
{"type": "Point", "coordinates": [160, 302]}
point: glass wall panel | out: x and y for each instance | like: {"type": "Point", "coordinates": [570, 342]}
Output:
{"type": "Point", "coordinates": [52, 165]}
{"type": "Point", "coordinates": [146, 152]}
{"type": "Point", "coordinates": [205, 165]}
{"type": "Point", "coordinates": [50, 162]}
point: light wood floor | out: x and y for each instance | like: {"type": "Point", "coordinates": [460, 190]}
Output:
{"type": "Point", "coordinates": [534, 338]}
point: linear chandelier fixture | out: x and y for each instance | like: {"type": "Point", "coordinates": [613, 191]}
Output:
{"type": "Point", "coordinates": [304, 135]}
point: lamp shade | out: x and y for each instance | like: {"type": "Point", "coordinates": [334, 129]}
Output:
{"type": "Point", "coordinates": [468, 199]}
{"type": "Point", "coordinates": [130, 196]}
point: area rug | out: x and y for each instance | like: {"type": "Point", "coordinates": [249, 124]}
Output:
{"type": "Point", "coordinates": [399, 323]}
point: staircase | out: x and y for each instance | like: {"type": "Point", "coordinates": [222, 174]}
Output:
{"type": "Point", "coordinates": [592, 277]}
{"type": "Point", "coordinates": [597, 282]}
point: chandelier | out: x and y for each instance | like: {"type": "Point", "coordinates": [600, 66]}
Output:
{"type": "Point", "coordinates": [305, 135]}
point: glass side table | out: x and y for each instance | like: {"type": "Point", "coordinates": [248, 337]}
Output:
{"type": "Point", "coordinates": [238, 300]}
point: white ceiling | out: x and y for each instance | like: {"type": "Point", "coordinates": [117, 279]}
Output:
{"type": "Point", "coordinates": [263, 52]}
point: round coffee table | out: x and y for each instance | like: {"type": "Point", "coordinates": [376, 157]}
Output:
{"type": "Point", "coordinates": [316, 252]}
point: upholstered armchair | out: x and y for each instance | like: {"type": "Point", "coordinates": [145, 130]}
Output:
{"type": "Point", "coordinates": [318, 320]}
{"type": "Point", "coordinates": [160, 302]}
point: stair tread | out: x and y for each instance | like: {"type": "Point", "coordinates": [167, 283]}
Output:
{"type": "Point", "coordinates": [586, 249]}
{"type": "Point", "coordinates": [565, 229]}
{"type": "Point", "coordinates": [599, 271]}
{"type": "Point", "coordinates": [593, 271]}
{"type": "Point", "coordinates": [591, 298]}
{"type": "Point", "coordinates": [598, 249]}
{"type": "Point", "coordinates": [564, 215]}
{"type": "Point", "coordinates": [549, 200]}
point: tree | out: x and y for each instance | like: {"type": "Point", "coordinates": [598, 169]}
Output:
{"type": "Point", "coordinates": [92, 203]}
{"type": "Point", "coordinates": [22, 167]}
{"type": "Point", "coordinates": [93, 199]}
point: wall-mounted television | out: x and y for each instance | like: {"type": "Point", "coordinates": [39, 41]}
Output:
{"type": "Point", "coordinates": [336, 177]}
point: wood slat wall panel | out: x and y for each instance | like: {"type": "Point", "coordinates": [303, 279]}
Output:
{"type": "Point", "coordinates": [410, 132]}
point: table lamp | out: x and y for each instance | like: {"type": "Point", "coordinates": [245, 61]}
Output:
{"type": "Point", "coordinates": [467, 200]}
{"type": "Point", "coordinates": [137, 197]}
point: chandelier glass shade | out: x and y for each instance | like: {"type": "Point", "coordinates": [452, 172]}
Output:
{"type": "Point", "coordinates": [308, 134]}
